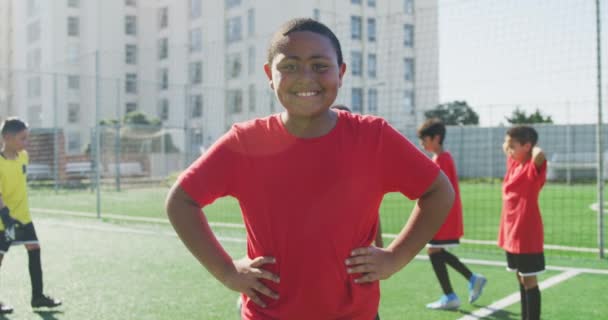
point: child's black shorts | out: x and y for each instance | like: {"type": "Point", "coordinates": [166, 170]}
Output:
{"type": "Point", "coordinates": [443, 243]}
{"type": "Point", "coordinates": [526, 264]}
{"type": "Point", "coordinates": [25, 234]}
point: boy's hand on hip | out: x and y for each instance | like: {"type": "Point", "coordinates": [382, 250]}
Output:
{"type": "Point", "coordinates": [246, 279]}
{"type": "Point", "coordinates": [373, 263]}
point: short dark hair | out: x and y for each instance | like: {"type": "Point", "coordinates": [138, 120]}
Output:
{"type": "Point", "coordinates": [13, 126]}
{"type": "Point", "coordinates": [341, 107]}
{"type": "Point", "coordinates": [303, 24]}
{"type": "Point", "coordinates": [523, 134]}
{"type": "Point", "coordinates": [432, 127]}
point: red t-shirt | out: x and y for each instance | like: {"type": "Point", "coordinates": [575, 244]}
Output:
{"type": "Point", "coordinates": [521, 225]}
{"type": "Point", "coordinates": [308, 203]}
{"type": "Point", "coordinates": [452, 227]}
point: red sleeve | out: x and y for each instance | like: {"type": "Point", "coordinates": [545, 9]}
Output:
{"type": "Point", "coordinates": [213, 174]}
{"type": "Point", "coordinates": [404, 168]}
{"type": "Point", "coordinates": [535, 173]}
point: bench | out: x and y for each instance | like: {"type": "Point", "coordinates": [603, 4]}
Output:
{"type": "Point", "coordinates": [574, 166]}
{"type": "Point", "coordinates": [39, 171]}
{"type": "Point", "coordinates": [125, 169]}
{"type": "Point", "coordinates": [78, 170]}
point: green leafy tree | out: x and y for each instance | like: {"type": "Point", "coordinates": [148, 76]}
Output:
{"type": "Point", "coordinates": [454, 113]}
{"type": "Point", "coordinates": [521, 117]}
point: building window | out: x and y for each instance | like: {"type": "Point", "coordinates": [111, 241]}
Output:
{"type": "Point", "coordinates": [74, 3]}
{"type": "Point", "coordinates": [251, 22]}
{"type": "Point", "coordinates": [372, 100]}
{"type": "Point", "coordinates": [232, 3]}
{"type": "Point", "coordinates": [33, 32]}
{"type": "Point", "coordinates": [234, 101]}
{"type": "Point", "coordinates": [130, 107]}
{"type": "Point", "coordinates": [131, 54]}
{"type": "Point", "coordinates": [195, 9]}
{"type": "Point", "coordinates": [371, 3]}
{"type": "Point", "coordinates": [196, 105]}
{"type": "Point", "coordinates": [316, 14]}
{"type": "Point", "coordinates": [357, 63]}
{"type": "Point", "coordinates": [252, 98]}
{"type": "Point", "coordinates": [33, 87]}
{"type": "Point", "coordinates": [73, 27]}
{"type": "Point", "coordinates": [163, 18]}
{"type": "Point", "coordinates": [409, 69]}
{"type": "Point", "coordinates": [73, 55]}
{"type": "Point", "coordinates": [33, 59]}
{"type": "Point", "coordinates": [408, 6]}
{"type": "Point", "coordinates": [234, 66]}
{"type": "Point", "coordinates": [131, 3]}
{"type": "Point", "coordinates": [163, 79]}
{"type": "Point", "coordinates": [196, 40]}
{"type": "Point", "coordinates": [251, 60]}
{"type": "Point", "coordinates": [355, 1]}
{"type": "Point", "coordinates": [355, 27]}
{"type": "Point", "coordinates": [371, 29]}
{"type": "Point", "coordinates": [408, 101]}
{"type": "Point", "coordinates": [131, 83]}
{"type": "Point", "coordinates": [357, 99]}
{"type": "Point", "coordinates": [163, 109]}
{"type": "Point", "coordinates": [195, 71]}
{"type": "Point", "coordinates": [33, 8]}
{"type": "Point", "coordinates": [233, 29]}
{"type": "Point", "coordinates": [131, 25]}
{"type": "Point", "coordinates": [74, 82]}
{"type": "Point", "coordinates": [371, 65]}
{"type": "Point", "coordinates": [163, 48]}
{"type": "Point", "coordinates": [408, 37]}
{"type": "Point", "coordinates": [74, 143]}
{"type": "Point", "coordinates": [73, 113]}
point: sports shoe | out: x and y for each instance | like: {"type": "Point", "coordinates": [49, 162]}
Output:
{"type": "Point", "coordinates": [476, 284]}
{"type": "Point", "coordinates": [45, 301]}
{"type": "Point", "coordinates": [5, 309]}
{"type": "Point", "coordinates": [446, 302]}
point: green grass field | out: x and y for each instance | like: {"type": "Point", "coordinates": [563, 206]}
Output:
{"type": "Point", "coordinates": [119, 270]}
{"type": "Point", "coordinates": [568, 220]}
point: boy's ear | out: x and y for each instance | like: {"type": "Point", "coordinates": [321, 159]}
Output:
{"type": "Point", "coordinates": [528, 146]}
{"type": "Point", "coordinates": [268, 72]}
{"type": "Point", "coordinates": [341, 73]}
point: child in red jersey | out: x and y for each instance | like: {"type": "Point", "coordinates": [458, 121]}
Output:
{"type": "Point", "coordinates": [431, 134]}
{"type": "Point", "coordinates": [521, 226]}
{"type": "Point", "coordinates": [309, 182]}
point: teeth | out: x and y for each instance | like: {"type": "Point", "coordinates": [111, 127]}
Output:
{"type": "Point", "coordinates": [306, 94]}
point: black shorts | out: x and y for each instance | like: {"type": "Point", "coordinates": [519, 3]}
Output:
{"type": "Point", "coordinates": [25, 234]}
{"type": "Point", "coordinates": [443, 243]}
{"type": "Point", "coordinates": [526, 264]}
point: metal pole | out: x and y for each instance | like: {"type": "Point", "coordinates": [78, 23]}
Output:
{"type": "Point", "coordinates": [600, 155]}
{"type": "Point", "coordinates": [97, 135]}
{"type": "Point", "coordinates": [55, 137]}
{"type": "Point", "coordinates": [117, 137]}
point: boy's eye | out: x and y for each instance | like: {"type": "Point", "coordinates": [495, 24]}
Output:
{"type": "Point", "coordinates": [320, 67]}
{"type": "Point", "coordinates": [288, 68]}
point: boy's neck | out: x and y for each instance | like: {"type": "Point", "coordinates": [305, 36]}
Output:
{"type": "Point", "coordinates": [438, 150]}
{"type": "Point", "coordinates": [9, 154]}
{"type": "Point", "coordinates": [309, 127]}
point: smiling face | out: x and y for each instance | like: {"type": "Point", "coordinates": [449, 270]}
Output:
{"type": "Point", "coordinates": [305, 74]}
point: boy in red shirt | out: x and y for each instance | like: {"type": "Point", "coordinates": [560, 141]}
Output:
{"type": "Point", "coordinates": [521, 226]}
{"type": "Point", "coordinates": [309, 182]}
{"type": "Point", "coordinates": [431, 134]}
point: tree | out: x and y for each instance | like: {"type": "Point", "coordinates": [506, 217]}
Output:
{"type": "Point", "coordinates": [454, 113]}
{"type": "Point", "coordinates": [520, 117]}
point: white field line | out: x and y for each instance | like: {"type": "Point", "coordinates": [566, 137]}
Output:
{"type": "Point", "coordinates": [241, 226]}
{"type": "Point", "coordinates": [515, 297]}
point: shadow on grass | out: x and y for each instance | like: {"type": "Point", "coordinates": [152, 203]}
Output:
{"type": "Point", "coordinates": [498, 315]}
{"type": "Point", "coordinates": [49, 314]}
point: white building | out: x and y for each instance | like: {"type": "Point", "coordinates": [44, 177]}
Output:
{"type": "Point", "coordinates": [198, 64]}
{"type": "Point", "coordinates": [5, 57]}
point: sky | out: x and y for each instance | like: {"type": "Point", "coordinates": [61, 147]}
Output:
{"type": "Point", "coordinates": [500, 54]}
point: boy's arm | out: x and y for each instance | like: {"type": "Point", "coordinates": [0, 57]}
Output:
{"type": "Point", "coordinates": [427, 216]}
{"type": "Point", "coordinates": [191, 225]}
{"type": "Point", "coordinates": [538, 156]}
